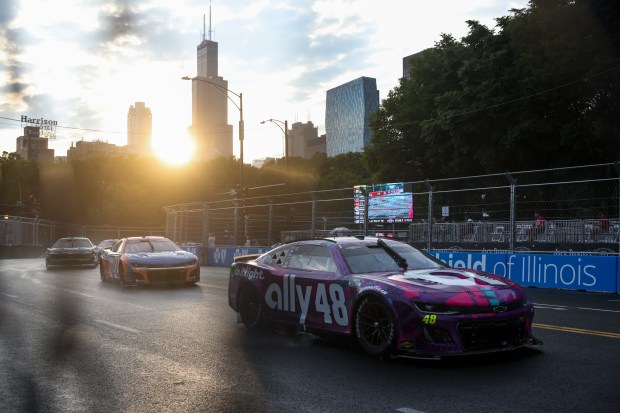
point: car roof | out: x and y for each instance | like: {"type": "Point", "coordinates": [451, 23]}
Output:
{"type": "Point", "coordinates": [145, 237]}
{"type": "Point", "coordinates": [347, 239]}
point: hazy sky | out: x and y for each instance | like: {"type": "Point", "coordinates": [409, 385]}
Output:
{"type": "Point", "coordinates": [82, 63]}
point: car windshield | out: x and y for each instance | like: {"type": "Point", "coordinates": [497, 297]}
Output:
{"type": "Point", "coordinates": [385, 256]}
{"type": "Point", "coordinates": [106, 243]}
{"type": "Point", "coordinates": [151, 245]}
{"type": "Point", "coordinates": [73, 243]}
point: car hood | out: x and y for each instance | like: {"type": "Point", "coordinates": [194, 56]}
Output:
{"type": "Point", "coordinates": [453, 286]}
{"type": "Point", "coordinates": [166, 257]}
{"type": "Point", "coordinates": [450, 279]}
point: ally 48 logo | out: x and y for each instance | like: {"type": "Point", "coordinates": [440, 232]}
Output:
{"type": "Point", "coordinates": [329, 299]}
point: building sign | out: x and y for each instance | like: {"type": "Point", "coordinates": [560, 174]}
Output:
{"type": "Point", "coordinates": [47, 128]}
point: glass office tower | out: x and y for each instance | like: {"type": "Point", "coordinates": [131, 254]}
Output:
{"type": "Point", "coordinates": [347, 110]}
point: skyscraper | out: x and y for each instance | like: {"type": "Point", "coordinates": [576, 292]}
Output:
{"type": "Point", "coordinates": [139, 128]}
{"type": "Point", "coordinates": [302, 140]}
{"type": "Point", "coordinates": [210, 126]}
{"type": "Point", "coordinates": [347, 110]}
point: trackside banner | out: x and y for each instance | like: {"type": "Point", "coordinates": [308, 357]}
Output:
{"type": "Point", "coordinates": [572, 272]}
{"type": "Point", "coordinates": [569, 272]}
{"type": "Point", "coordinates": [225, 256]}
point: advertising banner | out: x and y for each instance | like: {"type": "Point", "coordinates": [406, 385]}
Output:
{"type": "Point", "coordinates": [571, 272]}
{"type": "Point", "coordinates": [225, 256]}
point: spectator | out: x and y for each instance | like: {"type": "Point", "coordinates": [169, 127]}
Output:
{"type": "Point", "coordinates": [603, 222]}
{"type": "Point", "coordinates": [248, 243]}
{"type": "Point", "coordinates": [601, 228]}
{"type": "Point", "coordinates": [211, 241]}
{"type": "Point", "coordinates": [538, 227]}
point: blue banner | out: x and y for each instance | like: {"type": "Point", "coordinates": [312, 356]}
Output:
{"type": "Point", "coordinates": [225, 256]}
{"type": "Point", "coordinates": [572, 272]}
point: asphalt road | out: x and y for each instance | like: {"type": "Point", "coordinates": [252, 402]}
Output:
{"type": "Point", "coordinates": [69, 343]}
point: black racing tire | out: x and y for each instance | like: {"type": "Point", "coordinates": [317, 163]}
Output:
{"type": "Point", "coordinates": [374, 327]}
{"type": "Point", "coordinates": [250, 307]}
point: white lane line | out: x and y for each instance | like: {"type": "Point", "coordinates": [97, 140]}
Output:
{"type": "Point", "coordinates": [550, 307]}
{"type": "Point", "coordinates": [9, 295]}
{"type": "Point", "coordinates": [408, 410]}
{"type": "Point", "coordinates": [598, 309]}
{"type": "Point", "coordinates": [565, 307]}
{"type": "Point", "coordinates": [120, 327]}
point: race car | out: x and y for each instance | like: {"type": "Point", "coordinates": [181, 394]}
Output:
{"type": "Point", "coordinates": [393, 298]}
{"type": "Point", "coordinates": [147, 260]}
{"type": "Point", "coordinates": [71, 251]}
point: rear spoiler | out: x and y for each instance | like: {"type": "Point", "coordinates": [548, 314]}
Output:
{"type": "Point", "coordinates": [246, 258]}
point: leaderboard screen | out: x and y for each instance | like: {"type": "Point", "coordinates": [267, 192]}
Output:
{"type": "Point", "coordinates": [387, 203]}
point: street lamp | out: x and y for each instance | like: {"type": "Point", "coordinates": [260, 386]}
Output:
{"type": "Point", "coordinates": [240, 107]}
{"type": "Point", "coordinates": [279, 123]}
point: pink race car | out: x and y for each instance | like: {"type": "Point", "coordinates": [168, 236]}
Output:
{"type": "Point", "coordinates": [395, 299]}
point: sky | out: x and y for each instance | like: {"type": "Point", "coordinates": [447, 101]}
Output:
{"type": "Point", "coordinates": [83, 63]}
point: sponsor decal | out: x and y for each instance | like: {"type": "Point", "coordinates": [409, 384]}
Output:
{"type": "Point", "coordinates": [408, 345]}
{"type": "Point", "coordinates": [249, 273]}
{"type": "Point", "coordinates": [373, 288]}
{"type": "Point", "coordinates": [329, 299]}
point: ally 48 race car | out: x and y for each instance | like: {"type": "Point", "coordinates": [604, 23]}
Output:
{"type": "Point", "coordinates": [395, 299]}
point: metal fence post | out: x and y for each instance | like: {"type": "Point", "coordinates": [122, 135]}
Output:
{"type": "Point", "coordinates": [236, 223]}
{"type": "Point", "coordinates": [365, 224]}
{"type": "Point", "coordinates": [205, 225]}
{"type": "Point", "coordinates": [270, 222]}
{"type": "Point", "coordinates": [617, 167]}
{"type": "Point", "coordinates": [430, 215]}
{"type": "Point", "coordinates": [313, 224]}
{"type": "Point", "coordinates": [513, 211]}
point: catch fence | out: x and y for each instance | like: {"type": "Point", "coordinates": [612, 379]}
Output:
{"type": "Point", "coordinates": [578, 207]}
{"type": "Point", "coordinates": [21, 231]}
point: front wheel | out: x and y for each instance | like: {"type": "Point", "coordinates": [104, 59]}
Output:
{"type": "Point", "coordinates": [374, 327]}
{"type": "Point", "coordinates": [250, 307]}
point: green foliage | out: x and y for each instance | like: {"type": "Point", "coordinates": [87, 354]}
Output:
{"type": "Point", "coordinates": [19, 185]}
{"type": "Point", "coordinates": [541, 90]}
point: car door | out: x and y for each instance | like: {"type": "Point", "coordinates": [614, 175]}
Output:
{"type": "Point", "coordinates": [317, 294]}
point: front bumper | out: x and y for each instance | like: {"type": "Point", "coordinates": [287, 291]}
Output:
{"type": "Point", "coordinates": [166, 275]}
{"type": "Point", "coordinates": [70, 260]}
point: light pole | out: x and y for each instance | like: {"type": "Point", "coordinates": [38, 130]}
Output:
{"type": "Point", "coordinates": [279, 123]}
{"type": "Point", "coordinates": [240, 107]}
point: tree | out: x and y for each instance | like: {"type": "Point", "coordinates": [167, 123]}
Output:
{"type": "Point", "coordinates": [541, 91]}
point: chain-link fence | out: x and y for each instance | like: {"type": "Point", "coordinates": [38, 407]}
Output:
{"type": "Point", "coordinates": [567, 209]}
{"type": "Point", "coordinates": [20, 231]}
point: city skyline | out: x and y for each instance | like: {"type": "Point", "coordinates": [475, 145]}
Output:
{"type": "Point", "coordinates": [83, 65]}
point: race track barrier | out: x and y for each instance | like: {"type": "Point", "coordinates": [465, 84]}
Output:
{"type": "Point", "coordinates": [557, 271]}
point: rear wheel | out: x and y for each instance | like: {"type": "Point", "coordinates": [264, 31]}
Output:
{"type": "Point", "coordinates": [374, 327]}
{"type": "Point", "coordinates": [250, 307]}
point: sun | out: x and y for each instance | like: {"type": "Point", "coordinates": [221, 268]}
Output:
{"type": "Point", "coordinates": [173, 148]}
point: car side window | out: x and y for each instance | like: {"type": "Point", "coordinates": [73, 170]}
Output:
{"type": "Point", "coordinates": [312, 258]}
{"type": "Point", "coordinates": [278, 256]}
